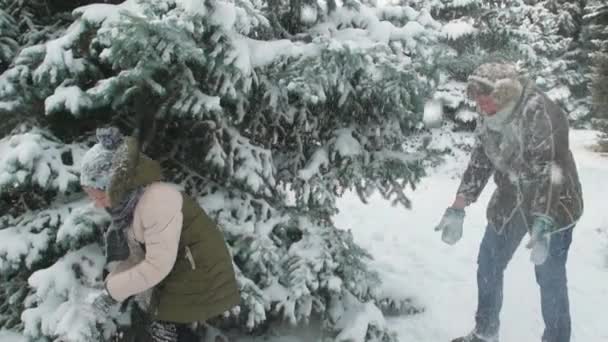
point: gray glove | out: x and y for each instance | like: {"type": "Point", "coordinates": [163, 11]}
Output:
{"type": "Point", "coordinates": [540, 240]}
{"type": "Point", "coordinates": [103, 302]}
{"type": "Point", "coordinates": [451, 225]}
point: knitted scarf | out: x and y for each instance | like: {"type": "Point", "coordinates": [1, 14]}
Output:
{"type": "Point", "coordinates": [501, 135]}
{"type": "Point", "coordinates": [117, 246]}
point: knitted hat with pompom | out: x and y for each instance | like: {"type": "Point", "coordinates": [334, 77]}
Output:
{"type": "Point", "coordinates": [96, 167]}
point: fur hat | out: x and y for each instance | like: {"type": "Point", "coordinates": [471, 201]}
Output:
{"type": "Point", "coordinates": [503, 78]}
{"type": "Point", "coordinates": [96, 167]}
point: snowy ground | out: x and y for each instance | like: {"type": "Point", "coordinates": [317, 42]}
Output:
{"type": "Point", "coordinates": [413, 260]}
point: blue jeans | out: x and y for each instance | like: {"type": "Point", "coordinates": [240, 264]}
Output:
{"type": "Point", "coordinates": [495, 253]}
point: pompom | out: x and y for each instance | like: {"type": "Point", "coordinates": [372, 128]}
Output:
{"type": "Point", "coordinates": [110, 138]}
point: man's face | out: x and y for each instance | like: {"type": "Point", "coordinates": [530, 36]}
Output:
{"type": "Point", "coordinates": [481, 93]}
{"type": "Point", "coordinates": [486, 105]}
{"type": "Point", "coordinates": [99, 197]}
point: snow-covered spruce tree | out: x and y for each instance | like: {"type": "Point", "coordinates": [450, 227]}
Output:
{"type": "Point", "coordinates": [267, 133]}
{"type": "Point", "coordinates": [8, 39]}
{"type": "Point", "coordinates": [42, 221]}
{"type": "Point", "coordinates": [32, 22]}
{"type": "Point", "coordinates": [600, 84]}
{"type": "Point", "coordinates": [558, 55]}
{"type": "Point", "coordinates": [599, 90]}
{"type": "Point", "coordinates": [596, 17]}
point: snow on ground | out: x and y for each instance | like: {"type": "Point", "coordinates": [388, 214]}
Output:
{"type": "Point", "coordinates": [412, 259]}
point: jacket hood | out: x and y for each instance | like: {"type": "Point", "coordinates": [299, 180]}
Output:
{"type": "Point", "coordinates": [130, 172]}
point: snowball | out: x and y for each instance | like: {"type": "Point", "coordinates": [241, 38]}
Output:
{"type": "Point", "coordinates": [308, 15]}
{"type": "Point", "coordinates": [557, 174]}
{"type": "Point", "coordinates": [433, 113]}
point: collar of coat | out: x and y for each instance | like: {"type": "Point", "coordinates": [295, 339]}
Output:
{"type": "Point", "coordinates": [130, 171]}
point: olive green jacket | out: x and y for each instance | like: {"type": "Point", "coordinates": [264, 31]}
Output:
{"type": "Point", "coordinates": [187, 262]}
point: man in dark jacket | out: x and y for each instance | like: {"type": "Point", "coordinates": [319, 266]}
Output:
{"type": "Point", "coordinates": [522, 140]}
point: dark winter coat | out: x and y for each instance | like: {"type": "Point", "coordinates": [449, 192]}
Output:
{"type": "Point", "coordinates": [186, 260]}
{"type": "Point", "coordinates": [532, 164]}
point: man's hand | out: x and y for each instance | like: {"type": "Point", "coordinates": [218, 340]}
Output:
{"type": "Point", "coordinates": [540, 240]}
{"type": "Point", "coordinates": [451, 225]}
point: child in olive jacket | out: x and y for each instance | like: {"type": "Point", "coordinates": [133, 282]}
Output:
{"type": "Point", "coordinates": [160, 240]}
